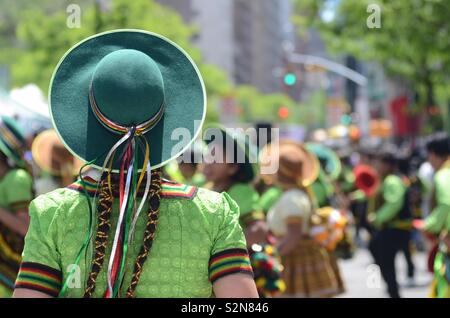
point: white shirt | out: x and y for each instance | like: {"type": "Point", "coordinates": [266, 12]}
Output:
{"type": "Point", "coordinates": [293, 203]}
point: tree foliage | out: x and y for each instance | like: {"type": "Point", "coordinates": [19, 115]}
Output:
{"type": "Point", "coordinates": [36, 35]}
{"type": "Point", "coordinates": [413, 42]}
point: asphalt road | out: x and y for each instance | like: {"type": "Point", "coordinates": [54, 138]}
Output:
{"type": "Point", "coordinates": [363, 280]}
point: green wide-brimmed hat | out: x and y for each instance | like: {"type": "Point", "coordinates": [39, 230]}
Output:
{"type": "Point", "coordinates": [122, 80]}
{"type": "Point", "coordinates": [329, 160]}
{"type": "Point", "coordinates": [243, 148]}
{"type": "Point", "coordinates": [12, 140]}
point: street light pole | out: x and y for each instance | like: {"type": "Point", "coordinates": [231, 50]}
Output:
{"type": "Point", "coordinates": [337, 68]}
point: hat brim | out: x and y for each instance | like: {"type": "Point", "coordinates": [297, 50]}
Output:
{"type": "Point", "coordinates": [249, 169]}
{"type": "Point", "coordinates": [333, 163]}
{"type": "Point", "coordinates": [79, 129]}
{"type": "Point", "coordinates": [8, 153]}
{"type": "Point", "coordinates": [310, 167]}
{"type": "Point", "coordinates": [41, 150]}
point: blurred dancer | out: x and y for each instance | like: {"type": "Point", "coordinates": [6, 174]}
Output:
{"type": "Point", "coordinates": [392, 221]}
{"type": "Point", "coordinates": [226, 172]}
{"type": "Point", "coordinates": [308, 271]}
{"type": "Point", "coordinates": [16, 192]}
{"type": "Point", "coordinates": [269, 191]}
{"type": "Point", "coordinates": [437, 224]}
{"type": "Point", "coordinates": [57, 166]}
{"type": "Point", "coordinates": [360, 202]}
{"type": "Point", "coordinates": [186, 169]}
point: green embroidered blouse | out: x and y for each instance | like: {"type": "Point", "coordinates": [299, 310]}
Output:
{"type": "Point", "coordinates": [198, 240]}
{"type": "Point", "coordinates": [393, 192]}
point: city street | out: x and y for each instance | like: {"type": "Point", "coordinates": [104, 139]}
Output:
{"type": "Point", "coordinates": [164, 148]}
{"type": "Point", "coordinates": [361, 277]}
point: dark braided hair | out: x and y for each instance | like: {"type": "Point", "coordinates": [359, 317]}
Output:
{"type": "Point", "coordinates": [150, 229]}
{"type": "Point", "coordinates": [104, 210]}
{"type": "Point", "coordinates": [104, 225]}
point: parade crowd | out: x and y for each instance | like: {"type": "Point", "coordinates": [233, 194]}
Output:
{"type": "Point", "coordinates": [204, 221]}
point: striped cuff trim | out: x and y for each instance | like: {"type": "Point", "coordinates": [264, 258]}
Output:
{"type": "Point", "coordinates": [229, 262]}
{"type": "Point", "coordinates": [39, 277]}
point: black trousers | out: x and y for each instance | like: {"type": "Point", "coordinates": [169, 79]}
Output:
{"type": "Point", "coordinates": [384, 246]}
{"type": "Point", "coordinates": [359, 210]}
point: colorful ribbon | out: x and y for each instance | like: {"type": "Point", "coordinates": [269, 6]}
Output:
{"type": "Point", "coordinates": [120, 129]}
{"type": "Point", "coordinates": [129, 184]}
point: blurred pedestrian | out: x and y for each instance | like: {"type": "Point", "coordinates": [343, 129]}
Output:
{"type": "Point", "coordinates": [58, 168]}
{"type": "Point", "coordinates": [16, 192]}
{"type": "Point", "coordinates": [437, 224]}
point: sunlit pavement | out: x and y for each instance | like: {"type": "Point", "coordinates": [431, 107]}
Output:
{"type": "Point", "coordinates": [363, 281]}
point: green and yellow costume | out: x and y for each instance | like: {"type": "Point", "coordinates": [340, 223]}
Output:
{"type": "Point", "coordinates": [438, 222]}
{"type": "Point", "coordinates": [16, 192]}
{"type": "Point", "coordinates": [197, 241]}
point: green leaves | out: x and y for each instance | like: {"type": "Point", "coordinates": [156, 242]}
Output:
{"type": "Point", "coordinates": [412, 43]}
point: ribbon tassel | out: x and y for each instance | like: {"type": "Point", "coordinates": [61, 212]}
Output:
{"type": "Point", "coordinates": [129, 184]}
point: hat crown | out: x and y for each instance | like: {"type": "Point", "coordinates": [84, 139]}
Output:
{"type": "Point", "coordinates": [128, 87]}
{"type": "Point", "coordinates": [291, 162]}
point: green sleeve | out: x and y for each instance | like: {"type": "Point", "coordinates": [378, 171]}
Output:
{"type": "Point", "coordinates": [174, 172]}
{"type": "Point", "coordinates": [229, 254]}
{"type": "Point", "coordinates": [245, 197]}
{"type": "Point", "coordinates": [348, 180]}
{"type": "Point", "coordinates": [269, 198]}
{"type": "Point", "coordinates": [18, 192]}
{"type": "Point", "coordinates": [358, 195]}
{"type": "Point", "coordinates": [40, 241]}
{"type": "Point", "coordinates": [393, 194]}
{"type": "Point", "coordinates": [40, 269]}
{"type": "Point", "coordinates": [320, 193]}
{"type": "Point", "coordinates": [437, 220]}
{"type": "Point", "coordinates": [198, 180]}
{"type": "Point", "coordinates": [230, 234]}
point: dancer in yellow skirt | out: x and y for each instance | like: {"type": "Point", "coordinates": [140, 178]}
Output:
{"type": "Point", "coordinates": [308, 270]}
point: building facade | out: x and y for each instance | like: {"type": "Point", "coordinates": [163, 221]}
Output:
{"type": "Point", "coordinates": [244, 38]}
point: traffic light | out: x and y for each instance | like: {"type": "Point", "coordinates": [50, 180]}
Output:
{"type": "Point", "coordinates": [290, 79]}
{"type": "Point", "coordinates": [346, 119]}
{"type": "Point", "coordinates": [283, 112]}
